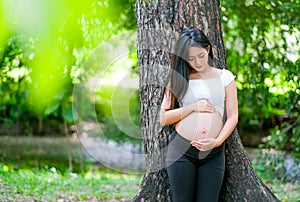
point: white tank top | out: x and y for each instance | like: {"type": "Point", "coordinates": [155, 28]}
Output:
{"type": "Point", "coordinates": [212, 89]}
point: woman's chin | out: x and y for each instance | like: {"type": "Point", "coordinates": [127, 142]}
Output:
{"type": "Point", "coordinates": [199, 69]}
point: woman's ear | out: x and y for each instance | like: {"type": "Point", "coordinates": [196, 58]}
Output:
{"type": "Point", "coordinates": [208, 48]}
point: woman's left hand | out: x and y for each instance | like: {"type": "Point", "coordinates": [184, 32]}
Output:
{"type": "Point", "coordinates": [205, 144]}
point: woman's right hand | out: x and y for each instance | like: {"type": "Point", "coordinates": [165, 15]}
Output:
{"type": "Point", "coordinates": [203, 105]}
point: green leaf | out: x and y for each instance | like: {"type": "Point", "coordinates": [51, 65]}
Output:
{"type": "Point", "coordinates": [68, 114]}
{"type": "Point", "coordinates": [52, 109]}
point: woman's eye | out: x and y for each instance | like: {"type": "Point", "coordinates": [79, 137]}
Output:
{"type": "Point", "coordinates": [191, 59]}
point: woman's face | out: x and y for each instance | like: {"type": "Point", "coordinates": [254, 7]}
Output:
{"type": "Point", "coordinates": [198, 58]}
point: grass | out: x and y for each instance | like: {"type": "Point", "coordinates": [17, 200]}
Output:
{"type": "Point", "coordinates": [39, 171]}
{"type": "Point", "coordinates": [286, 192]}
{"type": "Point", "coordinates": [270, 167]}
{"type": "Point", "coordinates": [50, 185]}
{"type": "Point", "coordinates": [94, 185]}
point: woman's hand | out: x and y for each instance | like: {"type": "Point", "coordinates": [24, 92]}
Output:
{"type": "Point", "coordinates": [203, 105]}
{"type": "Point", "coordinates": [205, 144]}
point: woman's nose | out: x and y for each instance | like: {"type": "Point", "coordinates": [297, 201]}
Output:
{"type": "Point", "coordinates": [198, 61]}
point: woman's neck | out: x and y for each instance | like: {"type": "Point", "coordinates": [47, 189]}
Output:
{"type": "Point", "coordinates": [200, 75]}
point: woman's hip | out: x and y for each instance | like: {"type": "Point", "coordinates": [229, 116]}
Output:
{"type": "Point", "coordinates": [179, 146]}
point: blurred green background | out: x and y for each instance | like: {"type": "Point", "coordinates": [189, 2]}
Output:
{"type": "Point", "coordinates": [49, 47]}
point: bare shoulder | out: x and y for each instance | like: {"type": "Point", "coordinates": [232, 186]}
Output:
{"type": "Point", "coordinates": [218, 71]}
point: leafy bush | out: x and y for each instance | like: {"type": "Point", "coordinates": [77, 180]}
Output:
{"type": "Point", "coordinates": [264, 54]}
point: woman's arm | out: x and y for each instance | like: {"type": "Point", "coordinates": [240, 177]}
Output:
{"type": "Point", "coordinates": [231, 112]}
{"type": "Point", "coordinates": [170, 116]}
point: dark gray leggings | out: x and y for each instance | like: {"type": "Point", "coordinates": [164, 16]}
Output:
{"type": "Point", "coordinates": [194, 175]}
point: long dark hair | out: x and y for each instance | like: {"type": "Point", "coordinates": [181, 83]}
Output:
{"type": "Point", "coordinates": [178, 78]}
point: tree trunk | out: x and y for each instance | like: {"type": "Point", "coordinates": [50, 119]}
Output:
{"type": "Point", "coordinates": [40, 123]}
{"type": "Point", "coordinates": [159, 24]}
{"type": "Point", "coordinates": [69, 146]}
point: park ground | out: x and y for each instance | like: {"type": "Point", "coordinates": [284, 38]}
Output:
{"type": "Point", "coordinates": [38, 170]}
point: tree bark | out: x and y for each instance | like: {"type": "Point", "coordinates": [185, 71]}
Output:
{"type": "Point", "coordinates": [159, 24]}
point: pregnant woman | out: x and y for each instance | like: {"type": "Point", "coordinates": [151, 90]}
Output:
{"type": "Point", "coordinates": [195, 99]}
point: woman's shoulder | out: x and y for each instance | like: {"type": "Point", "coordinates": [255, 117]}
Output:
{"type": "Point", "coordinates": [226, 76]}
{"type": "Point", "coordinates": [224, 72]}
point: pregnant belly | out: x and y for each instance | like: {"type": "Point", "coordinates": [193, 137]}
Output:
{"type": "Point", "coordinates": [198, 125]}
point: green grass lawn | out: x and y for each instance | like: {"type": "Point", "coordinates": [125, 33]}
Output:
{"type": "Point", "coordinates": [50, 185]}
{"type": "Point", "coordinates": [94, 185]}
{"type": "Point", "coordinates": [39, 171]}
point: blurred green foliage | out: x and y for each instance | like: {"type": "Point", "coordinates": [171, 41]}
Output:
{"type": "Point", "coordinates": [262, 48]}
{"type": "Point", "coordinates": [120, 113]}
{"type": "Point", "coordinates": [46, 49]}
{"type": "Point", "coordinates": [44, 45]}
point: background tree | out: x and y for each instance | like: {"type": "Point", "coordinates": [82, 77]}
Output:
{"type": "Point", "coordinates": [264, 54]}
{"type": "Point", "coordinates": [49, 42]}
{"type": "Point", "coordinates": [159, 23]}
